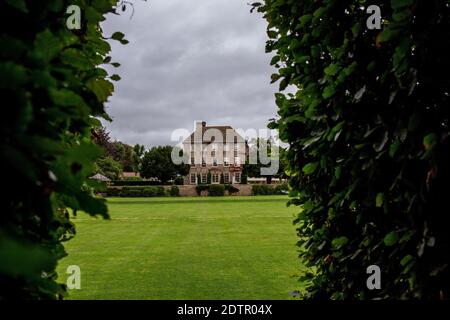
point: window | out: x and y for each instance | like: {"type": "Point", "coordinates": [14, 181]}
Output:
{"type": "Point", "coordinates": [237, 177]}
{"type": "Point", "coordinates": [193, 179]}
{"type": "Point", "coordinates": [237, 161]}
{"type": "Point", "coordinates": [204, 178]}
{"type": "Point", "coordinates": [192, 161]}
{"type": "Point", "coordinates": [203, 162]}
{"type": "Point", "coordinates": [226, 162]}
{"type": "Point", "coordinates": [215, 178]}
{"type": "Point", "coordinates": [214, 162]}
{"type": "Point", "coordinates": [213, 153]}
{"type": "Point", "coordinates": [235, 153]}
{"type": "Point", "coordinates": [226, 178]}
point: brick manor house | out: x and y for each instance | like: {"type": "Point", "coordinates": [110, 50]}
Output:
{"type": "Point", "coordinates": [216, 155]}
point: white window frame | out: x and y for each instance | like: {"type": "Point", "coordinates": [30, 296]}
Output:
{"type": "Point", "coordinates": [215, 178]}
{"type": "Point", "coordinates": [205, 176]}
{"type": "Point", "coordinates": [193, 181]}
{"type": "Point", "coordinates": [237, 177]}
{"type": "Point", "coordinates": [226, 177]}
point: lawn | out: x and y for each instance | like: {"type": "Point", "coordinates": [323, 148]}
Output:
{"type": "Point", "coordinates": [187, 248]}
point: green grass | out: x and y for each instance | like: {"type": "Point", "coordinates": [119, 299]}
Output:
{"type": "Point", "coordinates": [187, 248]}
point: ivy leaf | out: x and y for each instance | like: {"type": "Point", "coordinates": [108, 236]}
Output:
{"type": "Point", "coordinates": [391, 238]}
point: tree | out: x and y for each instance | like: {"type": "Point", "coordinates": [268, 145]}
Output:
{"type": "Point", "coordinates": [138, 153]}
{"type": "Point", "coordinates": [157, 163]}
{"type": "Point", "coordinates": [368, 129]}
{"type": "Point", "coordinates": [253, 170]}
{"type": "Point", "coordinates": [108, 167]}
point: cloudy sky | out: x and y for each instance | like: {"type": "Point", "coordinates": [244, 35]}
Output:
{"type": "Point", "coordinates": [189, 60]}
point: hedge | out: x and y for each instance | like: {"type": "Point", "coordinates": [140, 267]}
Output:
{"type": "Point", "coordinates": [55, 91]}
{"type": "Point", "coordinates": [137, 191]}
{"type": "Point", "coordinates": [267, 189]}
{"type": "Point", "coordinates": [369, 142]}
{"type": "Point", "coordinates": [216, 190]}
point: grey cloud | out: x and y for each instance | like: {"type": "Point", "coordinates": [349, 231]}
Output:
{"type": "Point", "coordinates": [189, 60]}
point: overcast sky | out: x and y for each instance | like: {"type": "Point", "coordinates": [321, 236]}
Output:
{"type": "Point", "coordinates": [189, 60]}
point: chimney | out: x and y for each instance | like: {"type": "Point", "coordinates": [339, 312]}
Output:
{"type": "Point", "coordinates": [199, 125]}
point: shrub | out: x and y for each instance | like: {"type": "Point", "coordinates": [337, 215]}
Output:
{"type": "Point", "coordinates": [369, 142]}
{"type": "Point", "coordinates": [216, 190]}
{"type": "Point", "coordinates": [231, 189]}
{"type": "Point", "coordinates": [113, 192]}
{"type": "Point", "coordinates": [120, 183]}
{"type": "Point", "coordinates": [262, 189]}
{"type": "Point", "coordinates": [160, 191]}
{"type": "Point", "coordinates": [281, 188]}
{"type": "Point", "coordinates": [149, 192]}
{"type": "Point", "coordinates": [200, 188]}
{"type": "Point", "coordinates": [132, 192]}
{"type": "Point", "coordinates": [174, 191]}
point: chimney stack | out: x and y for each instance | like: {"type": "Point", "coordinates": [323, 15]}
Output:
{"type": "Point", "coordinates": [199, 125]}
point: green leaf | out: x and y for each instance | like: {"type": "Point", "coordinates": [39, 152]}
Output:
{"type": "Point", "coordinates": [396, 4]}
{"type": "Point", "coordinates": [18, 4]}
{"type": "Point", "coordinates": [429, 141]}
{"type": "Point", "coordinates": [101, 88]}
{"type": "Point", "coordinates": [379, 200]}
{"type": "Point", "coordinates": [310, 167]}
{"type": "Point", "coordinates": [47, 45]}
{"type": "Point", "coordinates": [329, 91]}
{"type": "Point", "coordinates": [391, 238]}
{"type": "Point", "coordinates": [12, 75]}
{"type": "Point", "coordinates": [394, 148]}
{"type": "Point", "coordinates": [332, 69]}
{"type": "Point", "coordinates": [406, 260]}
{"type": "Point", "coordinates": [117, 36]}
{"type": "Point", "coordinates": [338, 243]}
{"type": "Point", "coordinates": [115, 77]}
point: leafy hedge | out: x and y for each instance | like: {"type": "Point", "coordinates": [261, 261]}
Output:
{"type": "Point", "coordinates": [368, 130]}
{"type": "Point", "coordinates": [140, 192]}
{"type": "Point", "coordinates": [268, 189]}
{"type": "Point", "coordinates": [54, 89]}
{"type": "Point", "coordinates": [120, 183]}
{"type": "Point", "coordinates": [216, 189]}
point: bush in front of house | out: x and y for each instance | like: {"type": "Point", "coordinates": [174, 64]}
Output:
{"type": "Point", "coordinates": [174, 191]}
{"type": "Point", "coordinates": [216, 190]}
{"type": "Point", "coordinates": [267, 189]}
{"type": "Point", "coordinates": [113, 192]}
{"type": "Point", "coordinates": [133, 191]}
{"type": "Point", "coordinates": [201, 187]}
{"type": "Point", "coordinates": [231, 189]}
{"type": "Point", "coordinates": [134, 182]}
{"type": "Point", "coordinates": [281, 188]}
